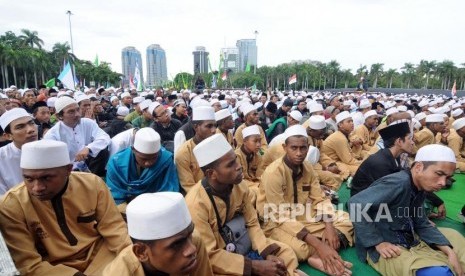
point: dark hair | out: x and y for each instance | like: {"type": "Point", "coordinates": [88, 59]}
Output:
{"type": "Point", "coordinates": [211, 166]}
{"type": "Point", "coordinates": [7, 129]}
{"type": "Point", "coordinates": [389, 143]}
{"type": "Point", "coordinates": [148, 243]}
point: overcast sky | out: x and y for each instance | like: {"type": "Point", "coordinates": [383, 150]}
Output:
{"type": "Point", "coordinates": [353, 32]}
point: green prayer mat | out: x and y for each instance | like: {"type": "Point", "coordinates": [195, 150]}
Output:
{"type": "Point", "coordinates": [454, 199]}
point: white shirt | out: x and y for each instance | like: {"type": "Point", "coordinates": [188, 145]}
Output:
{"type": "Point", "coordinates": [10, 171]}
{"type": "Point", "coordinates": [86, 134]}
{"type": "Point", "coordinates": [358, 118]}
{"type": "Point", "coordinates": [179, 139]}
{"type": "Point", "coordinates": [122, 141]}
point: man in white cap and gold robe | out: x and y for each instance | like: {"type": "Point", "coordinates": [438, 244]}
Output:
{"type": "Point", "coordinates": [291, 181]}
{"type": "Point", "coordinates": [59, 222]}
{"type": "Point", "coordinates": [366, 131]}
{"type": "Point", "coordinates": [426, 136]}
{"type": "Point", "coordinates": [250, 118]}
{"type": "Point", "coordinates": [164, 240]}
{"type": "Point", "coordinates": [225, 124]}
{"type": "Point", "coordinates": [222, 190]}
{"type": "Point", "coordinates": [20, 128]}
{"type": "Point", "coordinates": [392, 230]}
{"type": "Point", "coordinates": [455, 142]}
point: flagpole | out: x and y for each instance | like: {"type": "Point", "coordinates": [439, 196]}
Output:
{"type": "Point", "coordinates": [256, 53]}
{"type": "Point", "coordinates": [69, 13]}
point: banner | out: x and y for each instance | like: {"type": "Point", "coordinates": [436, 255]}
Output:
{"type": "Point", "coordinates": [293, 79]}
{"type": "Point", "coordinates": [137, 79]}
{"type": "Point", "coordinates": [66, 77]}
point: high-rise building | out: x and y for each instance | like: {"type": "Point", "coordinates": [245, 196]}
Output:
{"type": "Point", "coordinates": [200, 60]}
{"type": "Point", "coordinates": [230, 59]}
{"type": "Point", "coordinates": [247, 53]}
{"type": "Point", "coordinates": [130, 56]}
{"type": "Point", "coordinates": [156, 66]}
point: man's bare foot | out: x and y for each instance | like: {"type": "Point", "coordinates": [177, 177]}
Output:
{"type": "Point", "coordinates": [317, 263]}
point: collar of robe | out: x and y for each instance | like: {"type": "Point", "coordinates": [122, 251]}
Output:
{"type": "Point", "coordinates": [248, 156]}
{"type": "Point", "coordinates": [296, 171]}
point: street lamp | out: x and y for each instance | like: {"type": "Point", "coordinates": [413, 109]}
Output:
{"type": "Point", "coordinates": [256, 53]}
{"type": "Point", "coordinates": [69, 13]}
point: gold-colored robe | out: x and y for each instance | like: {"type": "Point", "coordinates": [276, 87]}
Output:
{"type": "Point", "coordinates": [249, 168]}
{"type": "Point", "coordinates": [188, 169]}
{"type": "Point", "coordinates": [229, 137]}
{"type": "Point", "coordinates": [337, 147]}
{"type": "Point", "coordinates": [240, 140]}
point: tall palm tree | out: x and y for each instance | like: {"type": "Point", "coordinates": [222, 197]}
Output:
{"type": "Point", "coordinates": [446, 70]}
{"type": "Point", "coordinates": [425, 68]}
{"type": "Point", "coordinates": [361, 70]}
{"type": "Point", "coordinates": [61, 52]}
{"type": "Point", "coordinates": [333, 70]}
{"type": "Point", "coordinates": [389, 77]}
{"type": "Point", "coordinates": [375, 71]}
{"type": "Point", "coordinates": [31, 38]}
{"type": "Point", "coordinates": [409, 72]}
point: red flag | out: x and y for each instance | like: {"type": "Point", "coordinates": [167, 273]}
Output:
{"type": "Point", "coordinates": [293, 79]}
{"type": "Point", "coordinates": [454, 89]}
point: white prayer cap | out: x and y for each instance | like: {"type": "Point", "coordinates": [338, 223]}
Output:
{"type": "Point", "coordinates": [147, 141]}
{"type": "Point", "coordinates": [342, 116]}
{"type": "Point", "coordinates": [391, 111]}
{"type": "Point", "coordinates": [457, 112]}
{"type": "Point", "coordinates": [416, 124]}
{"type": "Point", "coordinates": [33, 153]}
{"type": "Point", "coordinates": [402, 108]}
{"type": "Point", "coordinates": [155, 216]}
{"type": "Point", "coordinates": [211, 149]}
{"type": "Point", "coordinates": [122, 111]}
{"type": "Point", "coordinates": [3, 96]}
{"type": "Point", "coordinates": [223, 113]}
{"type": "Point", "coordinates": [203, 113]}
{"type": "Point", "coordinates": [125, 94]}
{"type": "Point", "coordinates": [370, 113]}
{"type": "Point", "coordinates": [434, 118]}
{"type": "Point", "coordinates": [257, 105]}
{"type": "Point", "coordinates": [214, 101]}
{"type": "Point", "coordinates": [313, 155]}
{"type": "Point", "coordinates": [296, 115]}
{"type": "Point", "coordinates": [295, 130]}
{"type": "Point", "coordinates": [113, 98]}
{"type": "Point", "coordinates": [317, 122]}
{"type": "Point", "coordinates": [250, 130]}
{"type": "Point", "coordinates": [435, 153]}
{"type": "Point", "coordinates": [63, 102]}
{"type": "Point", "coordinates": [247, 108]}
{"type": "Point", "coordinates": [412, 114]}
{"type": "Point", "coordinates": [144, 104]}
{"type": "Point", "coordinates": [456, 105]}
{"type": "Point", "coordinates": [420, 116]}
{"type": "Point", "coordinates": [12, 115]}
{"type": "Point", "coordinates": [365, 103]}
{"type": "Point", "coordinates": [315, 107]}
{"type": "Point", "coordinates": [458, 124]}
{"type": "Point", "coordinates": [423, 103]}
{"type": "Point", "coordinates": [348, 102]}
{"type": "Point", "coordinates": [137, 100]}
{"type": "Point", "coordinates": [152, 106]}
{"type": "Point", "coordinates": [81, 98]}
{"type": "Point", "coordinates": [51, 101]}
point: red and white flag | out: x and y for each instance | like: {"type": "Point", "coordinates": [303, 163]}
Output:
{"type": "Point", "coordinates": [293, 79]}
{"type": "Point", "coordinates": [224, 76]}
{"type": "Point", "coordinates": [454, 89]}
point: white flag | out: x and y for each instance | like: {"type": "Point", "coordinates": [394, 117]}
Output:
{"type": "Point", "coordinates": [66, 77]}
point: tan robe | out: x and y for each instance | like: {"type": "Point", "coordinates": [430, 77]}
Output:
{"type": "Point", "coordinates": [239, 140]}
{"type": "Point", "coordinates": [278, 189]}
{"type": "Point", "coordinates": [127, 264]}
{"type": "Point", "coordinates": [249, 168]}
{"type": "Point", "coordinates": [455, 142]}
{"type": "Point", "coordinates": [336, 146]}
{"type": "Point", "coordinates": [204, 218]}
{"type": "Point", "coordinates": [97, 232]}
{"type": "Point", "coordinates": [229, 137]}
{"type": "Point", "coordinates": [367, 137]}
{"type": "Point", "coordinates": [189, 171]}
{"type": "Point", "coordinates": [422, 138]}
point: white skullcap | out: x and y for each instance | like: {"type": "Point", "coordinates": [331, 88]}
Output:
{"type": "Point", "coordinates": [122, 111]}
{"type": "Point", "coordinates": [203, 113]}
{"type": "Point", "coordinates": [214, 101]}
{"type": "Point", "coordinates": [391, 111]}
{"type": "Point", "coordinates": [456, 105]}
{"type": "Point", "coordinates": [155, 216]}
{"type": "Point", "coordinates": [147, 141]}
{"type": "Point", "coordinates": [81, 98]}
{"type": "Point", "coordinates": [152, 107]}
{"type": "Point", "coordinates": [221, 114]}
{"type": "Point", "coordinates": [365, 103]}
{"type": "Point", "coordinates": [51, 101]}
{"type": "Point", "coordinates": [113, 98]}
{"type": "Point", "coordinates": [211, 149]}
{"type": "Point", "coordinates": [144, 104]}
{"type": "Point", "coordinates": [370, 113]}
{"type": "Point", "coordinates": [420, 116]}
{"type": "Point", "coordinates": [250, 130]}
{"type": "Point", "coordinates": [423, 103]}
{"type": "Point", "coordinates": [458, 124]}
{"type": "Point", "coordinates": [412, 114]}
{"type": "Point", "coordinates": [434, 118]}
{"type": "Point", "coordinates": [457, 112]}
{"type": "Point", "coordinates": [315, 107]}
{"type": "Point", "coordinates": [317, 122]}
{"type": "Point", "coordinates": [125, 94]}
{"type": "Point", "coordinates": [313, 155]}
{"type": "Point", "coordinates": [137, 100]}
{"type": "Point", "coordinates": [63, 102]}
{"type": "Point", "coordinates": [435, 153]}
{"type": "Point", "coordinates": [33, 153]}
{"type": "Point", "coordinates": [257, 105]}
{"type": "Point", "coordinates": [296, 115]}
{"type": "Point", "coordinates": [295, 130]}
{"type": "Point", "coordinates": [342, 116]}
{"type": "Point", "coordinates": [402, 108]}
{"type": "Point", "coordinates": [416, 124]}
{"type": "Point", "coordinates": [247, 108]}
{"type": "Point", "coordinates": [12, 115]}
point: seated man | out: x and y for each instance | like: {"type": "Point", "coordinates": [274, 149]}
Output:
{"type": "Point", "coordinates": [366, 131]}
{"type": "Point", "coordinates": [164, 125]}
{"type": "Point", "coordinates": [288, 185]}
{"type": "Point", "coordinates": [59, 222]}
{"type": "Point", "coordinates": [426, 136]}
{"type": "Point", "coordinates": [225, 124]}
{"type": "Point", "coordinates": [455, 142]}
{"type": "Point", "coordinates": [145, 167]}
{"type": "Point", "coordinates": [392, 231]}
{"type": "Point", "coordinates": [220, 197]}
{"type": "Point", "coordinates": [164, 241]}
{"type": "Point", "coordinates": [250, 118]}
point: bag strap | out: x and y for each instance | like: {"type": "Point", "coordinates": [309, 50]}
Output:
{"type": "Point", "coordinates": [209, 193]}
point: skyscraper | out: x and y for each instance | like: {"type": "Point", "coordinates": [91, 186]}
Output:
{"type": "Point", "coordinates": [230, 59]}
{"type": "Point", "coordinates": [247, 53]}
{"type": "Point", "coordinates": [156, 66]}
{"type": "Point", "coordinates": [130, 56]}
{"type": "Point", "coordinates": [200, 60]}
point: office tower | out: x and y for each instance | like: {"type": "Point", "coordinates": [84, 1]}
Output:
{"type": "Point", "coordinates": [130, 56]}
{"type": "Point", "coordinates": [247, 53]}
{"type": "Point", "coordinates": [157, 73]}
{"type": "Point", "coordinates": [200, 60]}
{"type": "Point", "coordinates": [230, 59]}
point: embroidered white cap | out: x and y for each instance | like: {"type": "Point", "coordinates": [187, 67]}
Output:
{"type": "Point", "coordinates": [391, 111]}
{"type": "Point", "coordinates": [313, 155]}
{"type": "Point", "coordinates": [203, 113]}
{"type": "Point", "coordinates": [317, 122]}
{"type": "Point", "coordinates": [370, 113]}
{"type": "Point", "coordinates": [211, 149]}
{"type": "Point", "coordinates": [315, 107]}
{"type": "Point", "coordinates": [420, 116]}
{"type": "Point", "coordinates": [155, 216]}
{"type": "Point", "coordinates": [144, 104]}
{"type": "Point", "coordinates": [402, 108]}
{"type": "Point", "coordinates": [365, 103]}
{"type": "Point", "coordinates": [295, 130]}
{"type": "Point", "coordinates": [63, 102]}
{"type": "Point", "coordinates": [246, 108]}
{"type": "Point", "coordinates": [435, 153]}
{"type": "Point", "coordinates": [51, 101]}
{"type": "Point", "coordinates": [12, 115]}
{"type": "Point", "coordinates": [434, 118]}
{"type": "Point", "coordinates": [296, 115]}
{"type": "Point", "coordinates": [125, 94]}
{"type": "Point", "coordinates": [342, 116]}
{"type": "Point", "coordinates": [32, 155]}
{"type": "Point", "coordinates": [147, 141]}
{"type": "Point", "coordinates": [457, 112]}
{"type": "Point", "coordinates": [250, 130]}
{"type": "Point", "coordinates": [458, 124]}
{"type": "Point", "coordinates": [122, 111]}
{"type": "Point", "coordinates": [113, 98]}
{"type": "Point", "coordinates": [81, 98]}
{"type": "Point", "coordinates": [221, 114]}
{"type": "Point", "coordinates": [152, 106]}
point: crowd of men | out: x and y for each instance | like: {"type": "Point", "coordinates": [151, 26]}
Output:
{"type": "Point", "coordinates": [227, 182]}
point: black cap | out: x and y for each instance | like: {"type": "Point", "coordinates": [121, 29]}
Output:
{"type": "Point", "coordinates": [38, 104]}
{"type": "Point", "coordinates": [288, 102]}
{"type": "Point", "coordinates": [271, 107]}
{"type": "Point", "coordinates": [395, 131]}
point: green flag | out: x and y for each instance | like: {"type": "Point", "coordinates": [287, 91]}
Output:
{"type": "Point", "coordinates": [247, 68]}
{"type": "Point", "coordinates": [96, 60]}
{"type": "Point", "coordinates": [50, 83]}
